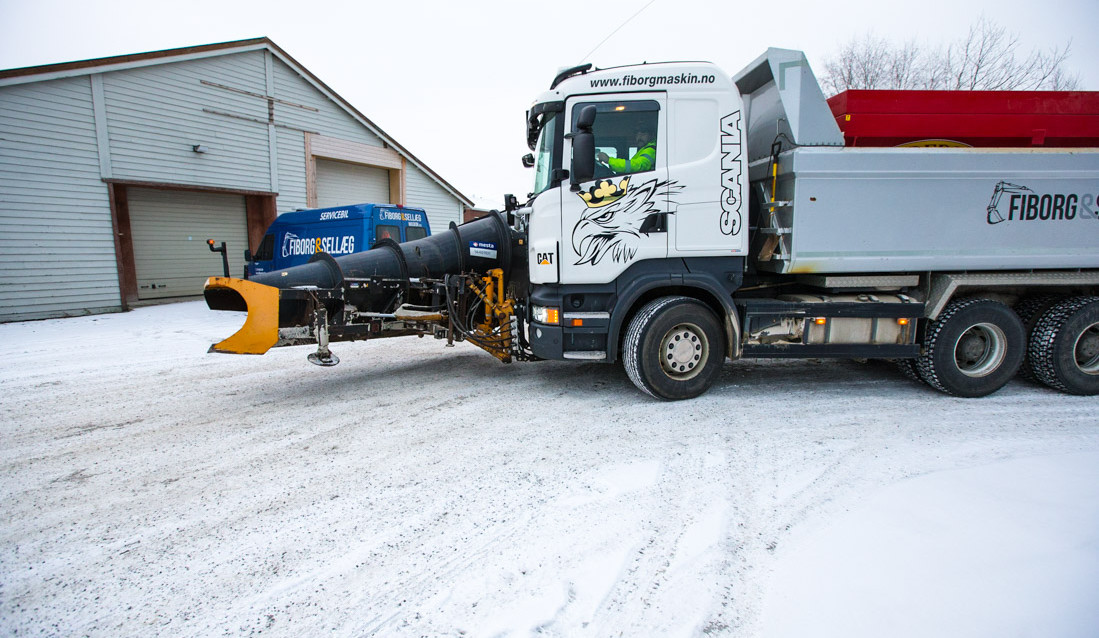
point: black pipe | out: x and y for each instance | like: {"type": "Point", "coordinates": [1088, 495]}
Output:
{"type": "Point", "coordinates": [447, 253]}
{"type": "Point", "coordinates": [477, 246]}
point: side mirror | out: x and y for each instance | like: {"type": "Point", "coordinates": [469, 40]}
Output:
{"type": "Point", "coordinates": [586, 119]}
{"type": "Point", "coordinates": [583, 148]}
{"type": "Point", "coordinates": [528, 160]}
{"type": "Point", "coordinates": [247, 255]}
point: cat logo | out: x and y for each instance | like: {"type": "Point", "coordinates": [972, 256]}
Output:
{"type": "Point", "coordinates": [545, 259]}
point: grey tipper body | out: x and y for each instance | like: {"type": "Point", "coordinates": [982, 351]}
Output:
{"type": "Point", "coordinates": [851, 210]}
{"type": "Point", "coordinates": [910, 209]}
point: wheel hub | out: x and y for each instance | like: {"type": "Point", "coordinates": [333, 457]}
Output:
{"type": "Point", "coordinates": [1086, 351]}
{"type": "Point", "coordinates": [683, 351]}
{"type": "Point", "coordinates": [980, 350]}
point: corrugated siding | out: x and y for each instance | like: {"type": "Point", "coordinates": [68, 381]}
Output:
{"type": "Point", "coordinates": [332, 121]}
{"type": "Point", "coordinates": [170, 229]}
{"type": "Point", "coordinates": [157, 114]}
{"type": "Point", "coordinates": [328, 118]}
{"type": "Point", "coordinates": [291, 170]}
{"type": "Point", "coordinates": [423, 192]}
{"type": "Point", "coordinates": [57, 253]}
{"type": "Point", "coordinates": [339, 184]}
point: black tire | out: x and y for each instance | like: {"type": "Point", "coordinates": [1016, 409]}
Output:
{"type": "Point", "coordinates": [973, 349]}
{"type": "Point", "coordinates": [1064, 347]}
{"type": "Point", "coordinates": [909, 369]}
{"type": "Point", "coordinates": [673, 348]}
{"type": "Point", "coordinates": [1030, 310]}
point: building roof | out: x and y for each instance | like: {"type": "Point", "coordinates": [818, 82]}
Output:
{"type": "Point", "coordinates": [135, 60]}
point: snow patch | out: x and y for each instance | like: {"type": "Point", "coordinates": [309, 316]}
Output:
{"type": "Point", "coordinates": [613, 481]}
{"type": "Point", "coordinates": [152, 488]}
{"type": "Point", "coordinates": [1009, 548]}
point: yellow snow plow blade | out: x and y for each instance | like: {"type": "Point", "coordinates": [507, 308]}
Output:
{"type": "Point", "coordinates": [261, 329]}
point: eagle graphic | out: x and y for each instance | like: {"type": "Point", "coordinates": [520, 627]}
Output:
{"type": "Point", "coordinates": [615, 229]}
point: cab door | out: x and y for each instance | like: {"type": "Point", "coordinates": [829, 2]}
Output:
{"type": "Point", "coordinates": [618, 218]}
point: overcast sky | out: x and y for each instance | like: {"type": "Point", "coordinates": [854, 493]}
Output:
{"type": "Point", "coordinates": [450, 81]}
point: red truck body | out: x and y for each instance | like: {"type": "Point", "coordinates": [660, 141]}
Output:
{"type": "Point", "coordinates": [968, 118]}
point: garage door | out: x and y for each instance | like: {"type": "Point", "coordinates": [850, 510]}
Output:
{"type": "Point", "coordinates": [170, 229]}
{"type": "Point", "coordinates": [340, 183]}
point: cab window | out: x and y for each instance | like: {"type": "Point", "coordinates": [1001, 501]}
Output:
{"type": "Point", "coordinates": [625, 135]}
{"type": "Point", "coordinates": [544, 153]}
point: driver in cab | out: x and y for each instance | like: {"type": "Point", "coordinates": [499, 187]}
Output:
{"type": "Point", "coordinates": [644, 159]}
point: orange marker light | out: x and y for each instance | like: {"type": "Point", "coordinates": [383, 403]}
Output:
{"type": "Point", "coordinates": [903, 321]}
{"type": "Point", "coordinates": [552, 316]}
{"type": "Point", "coordinates": [820, 321]}
{"type": "Point", "coordinates": [577, 322]}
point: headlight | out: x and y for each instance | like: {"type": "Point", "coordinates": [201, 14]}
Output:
{"type": "Point", "coordinates": [543, 314]}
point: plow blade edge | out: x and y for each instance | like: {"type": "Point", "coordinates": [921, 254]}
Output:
{"type": "Point", "coordinates": [260, 331]}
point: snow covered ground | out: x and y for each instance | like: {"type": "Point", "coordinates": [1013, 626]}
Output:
{"type": "Point", "coordinates": [150, 488]}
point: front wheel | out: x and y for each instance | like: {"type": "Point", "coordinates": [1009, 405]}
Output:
{"type": "Point", "coordinates": [673, 348]}
{"type": "Point", "coordinates": [973, 349]}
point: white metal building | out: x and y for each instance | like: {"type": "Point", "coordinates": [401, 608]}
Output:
{"type": "Point", "coordinates": [114, 172]}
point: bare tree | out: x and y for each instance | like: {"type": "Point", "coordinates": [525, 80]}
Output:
{"type": "Point", "coordinates": [988, 58]}
{"type": "Point", "coordinates": [872, 62]}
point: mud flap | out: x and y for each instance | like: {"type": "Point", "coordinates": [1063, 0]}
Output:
{"type": "Point", "coordinates": [260, 331]}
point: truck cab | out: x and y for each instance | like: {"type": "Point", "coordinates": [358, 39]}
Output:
{"type": "Point", "coordinates": [294, 238]}
{"type": "Point", "coordinates": [606, 237]}
{"type": "Point", "coordinates": [688, 202]}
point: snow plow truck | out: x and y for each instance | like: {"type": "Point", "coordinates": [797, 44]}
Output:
{"type": "Point", "coordinates": [681, 217]}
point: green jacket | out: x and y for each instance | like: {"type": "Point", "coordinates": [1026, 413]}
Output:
{"type": "Point", "coordinates": [644, 159]}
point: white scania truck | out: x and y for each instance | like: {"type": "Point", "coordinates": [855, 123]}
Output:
{"type": "Point", "coordinates": [755, 233]}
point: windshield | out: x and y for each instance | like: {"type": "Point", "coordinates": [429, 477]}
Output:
{"type": "Point", "coordinates": [543, 153]}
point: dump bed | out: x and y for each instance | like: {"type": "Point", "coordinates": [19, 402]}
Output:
{"type": "Point", "coordinates": [827, 208]}
{"type": "Point", "coordinates": [941, 209]}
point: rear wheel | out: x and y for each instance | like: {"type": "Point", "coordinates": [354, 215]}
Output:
{"type": "Point", "coordinates": [673, 348]}
{"type": "Point", "coordinates": [1064, 347]}
{"type": "Point", "coordinates": [909, 369]}
{"type": "Point", "coordinates": [1030, 310]}
{"type": "Point", "coordinates": [973, 349]}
